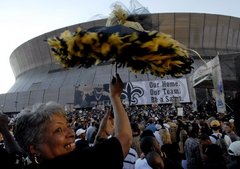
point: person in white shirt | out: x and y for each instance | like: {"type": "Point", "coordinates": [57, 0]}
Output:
{"type": "Point", "coordinates": [151, 157]}
{"type": "Point", "coordinates": [130, 159]}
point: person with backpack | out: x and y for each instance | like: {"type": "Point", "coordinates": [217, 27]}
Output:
{"type": "Point", "coordinates": [215, 125]}
{"type": "Point", "coordinates": [221, 139]}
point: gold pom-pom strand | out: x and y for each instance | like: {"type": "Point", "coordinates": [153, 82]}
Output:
{"type": "Point", "coordinates": [156, 53]}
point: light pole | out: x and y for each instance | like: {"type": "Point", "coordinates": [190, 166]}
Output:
{"type": "Point", "coordinates": [1, 108]}
{"type": "Point", "coordinates": [16, 102]}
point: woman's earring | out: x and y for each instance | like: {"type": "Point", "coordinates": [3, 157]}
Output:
{"type": "Point", "coordinates": [35, 159]}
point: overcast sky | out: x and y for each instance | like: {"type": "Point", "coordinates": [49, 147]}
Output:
{"type": "Point", "coordinates": [22, 20]}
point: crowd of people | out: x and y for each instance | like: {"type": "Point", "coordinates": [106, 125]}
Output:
{"type": "Point", "coordinates": [134, 137]}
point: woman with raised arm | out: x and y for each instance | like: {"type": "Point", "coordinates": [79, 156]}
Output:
{"type": "Point", "coordinates": [45, 134]}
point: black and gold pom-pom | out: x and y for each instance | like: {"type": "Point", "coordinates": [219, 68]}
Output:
{"type": "Point", "coordinates": [141, 51]}
{"type": "Point", "coordinates": [124, 42]}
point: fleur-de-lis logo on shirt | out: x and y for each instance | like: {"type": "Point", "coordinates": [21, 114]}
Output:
{"type": "Point", "coordinates": [131, 93]}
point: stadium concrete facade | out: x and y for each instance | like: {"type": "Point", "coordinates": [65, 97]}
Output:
{"type": "Point", "coordinates": [40, 79]}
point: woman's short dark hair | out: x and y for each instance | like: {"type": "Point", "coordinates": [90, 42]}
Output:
{"type": "Point", "coordinates": [146, 144]}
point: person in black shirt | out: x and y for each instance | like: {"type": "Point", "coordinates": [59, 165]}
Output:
{"type": "Point", "coordinates": [45, 134]}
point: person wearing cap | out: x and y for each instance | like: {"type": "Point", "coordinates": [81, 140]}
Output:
{"type": "Point", "coordinates": [151, 125]}
{"type": "Point", "coordinates": [91, 131]}
{"type": "Point", "coordinates": [215, 125]}
{"type": "Point", "coordinates": [80, 140]}
{"type": "Point", "coordinates": [162, 133]}
{"type": "Point", "coordinates": [221, 139]}
{"type": "Point", "coordinates": [234, 152]}
{"type": "Point", "coordinates": [157, 134]}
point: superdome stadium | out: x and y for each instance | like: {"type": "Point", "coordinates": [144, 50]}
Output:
{"type": "Point", "coordinates": [216, 38]}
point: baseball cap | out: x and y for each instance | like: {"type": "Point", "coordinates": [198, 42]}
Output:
{"type": "Point", "coordinates": [215, 123]}
{"type": "Point", "coordinates": [158, 126]}
{"type": "Point", "coordinates": [234, 148]}
{"type": "Point", "coordinates": [80, 131]}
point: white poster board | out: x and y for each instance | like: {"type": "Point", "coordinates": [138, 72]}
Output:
{"type": "Point", "coordinates": [158, 91]}
{"type": "Point", "coordinates": [180, 111]}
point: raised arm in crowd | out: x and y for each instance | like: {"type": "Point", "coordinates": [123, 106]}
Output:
{"type": "Point", "coordinates": [46, 136]}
